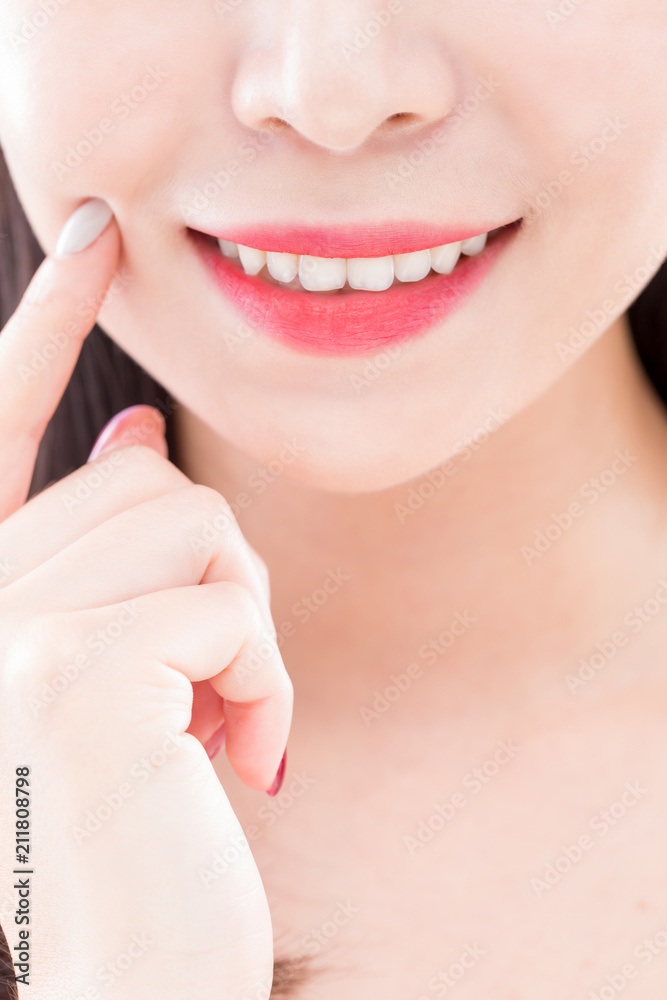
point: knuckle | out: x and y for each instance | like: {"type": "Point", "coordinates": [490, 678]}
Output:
{"type": "Point", "coordinates": [208, 499]}
{"type": "Point", "coordinates": [284, 686]}
{"type": "Point", "coordinates": [262, 568]}
{"type": "Point", "coordinates": [33, 647]}
{"type": "Point", "coordinates": [127, 468]}
{"type": "Point", "coordinates": [211, 515]}
{"type": "Point", "coordinates": [138, 464]}
{"type": "Point", "coordinates": [242, 603]}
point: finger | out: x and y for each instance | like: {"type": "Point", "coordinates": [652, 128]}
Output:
{"type": "Point", "coordinates": [214, 632]}
{"type": "Point", "coordinates": [83, 500]}
{"type": "Point", "coordinates": [96, 493]}
{"type": "Point", "coordinates": [41, 342]}
{"type": "Point", "coordinates": [135, 426]}
{"type": "Point", "coordinates": [139, 424]}
{"type": "Point", "coordinates": [179, 539]}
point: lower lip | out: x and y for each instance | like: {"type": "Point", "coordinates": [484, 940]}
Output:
{"type": "Point", "coordinates": [352, 322]}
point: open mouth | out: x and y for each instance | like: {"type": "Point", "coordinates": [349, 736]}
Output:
{"type": "Point", "coordinates": [323, 300]}
{"type": "Point", "coordinates": [339, 274]}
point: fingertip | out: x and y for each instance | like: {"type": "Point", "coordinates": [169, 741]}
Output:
{"type": "Point", "coordinates": [279, 778]}
{"type": "Point", "coordinates": [138, 424]}
{"type": "Point", "coordinates": [83, 227]}
{"type": "Point", "coordinates": [256, 736]}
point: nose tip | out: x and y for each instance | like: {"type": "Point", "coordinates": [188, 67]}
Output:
{"type": "Point", "coordinates": [310, 92]}
{"type": "Point", "coordinates": [336, 128]}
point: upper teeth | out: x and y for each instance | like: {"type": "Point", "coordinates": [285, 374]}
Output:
{"type": "Point", "coordinates": [373, 274]}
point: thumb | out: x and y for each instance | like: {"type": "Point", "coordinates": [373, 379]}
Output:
{"type": "Point", "coordinates": [139, 424]}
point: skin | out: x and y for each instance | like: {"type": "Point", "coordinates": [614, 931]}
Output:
{"type": "Point", "coordinates": [565, 414]}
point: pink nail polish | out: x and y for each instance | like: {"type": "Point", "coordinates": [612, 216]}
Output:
{"type": "Point", "coordinates": [110, 427]}
{"type": "Point", "coordinates": [215, 743]}
{"type": "Point", "coordinates": [279, 778]}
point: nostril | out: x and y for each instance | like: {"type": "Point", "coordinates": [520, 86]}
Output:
{"type": "Point", "coordinates": [275, 124]}
{"type": "Point", "coordinates": [401, 119]}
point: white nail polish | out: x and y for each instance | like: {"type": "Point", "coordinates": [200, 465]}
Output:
{"type": "Point", "coordinates": [83, 227]}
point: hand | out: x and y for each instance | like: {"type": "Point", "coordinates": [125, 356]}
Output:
{"type": "Point", "coordinates": [111, 610]}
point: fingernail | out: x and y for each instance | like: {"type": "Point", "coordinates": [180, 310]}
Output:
{"type": "Point", "coordinates": [215, 743]}
{"type": "Point", "coordinates": [83, 227]}
{"type": "Point", "coordinates": [152, 424]}
{"type": "Point", "coordinates": [279, 778]}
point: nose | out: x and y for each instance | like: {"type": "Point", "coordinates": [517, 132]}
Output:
{"type": "Point", "coordinates": [341, 72]}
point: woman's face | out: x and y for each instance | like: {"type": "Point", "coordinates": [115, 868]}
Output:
{"type": "Point", "coordinates": [384, 126]}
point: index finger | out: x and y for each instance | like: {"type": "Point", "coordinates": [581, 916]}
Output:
{"type": "Point", "coordinates": [41, 342]}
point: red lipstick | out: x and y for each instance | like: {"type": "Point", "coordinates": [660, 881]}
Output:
{"type": "Point", "coordinates": [346, 321]}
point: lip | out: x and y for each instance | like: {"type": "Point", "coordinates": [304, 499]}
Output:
{"type": "Point", "coordinates": [348, 322]}
{"type": "Point", "coordinates": [337, 241]}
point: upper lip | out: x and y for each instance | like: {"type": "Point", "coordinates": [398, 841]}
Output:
{"type": "Point", "coordinates": [353, 241]}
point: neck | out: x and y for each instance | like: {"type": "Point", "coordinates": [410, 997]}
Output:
{"type": "Point", "coordinates": [547, 528]}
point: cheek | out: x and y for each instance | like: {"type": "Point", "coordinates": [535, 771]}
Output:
{"type": "Point", "coordinates": [585, 124]}
{"type": "Point", "coordinates": [117, 136]}
{"type": "Point", "coordinates": [597, 118]}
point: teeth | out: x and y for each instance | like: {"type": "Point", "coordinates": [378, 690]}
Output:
{"type": "Point", "coordinates": [412, 266]}
{"type": "Point", "coordinates": [322, 274]}
{"type": "Point", "coordinates": [370, 274]}
{"type": "Point", "coordinates": [253, 260]}
{"type": "Point", "coordinates": [445, 258]}
{"type": "Point", "coordinates": [229, 249]}
{"type": "Point", "coordinates": [373, 274]}
{"type": "Point", "coordinates": [474, 245]}
{"type": "Point", "coordinates": [283, 266]}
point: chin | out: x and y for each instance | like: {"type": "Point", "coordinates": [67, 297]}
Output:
{"type": "Point", "coordinates": [350, 464]}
